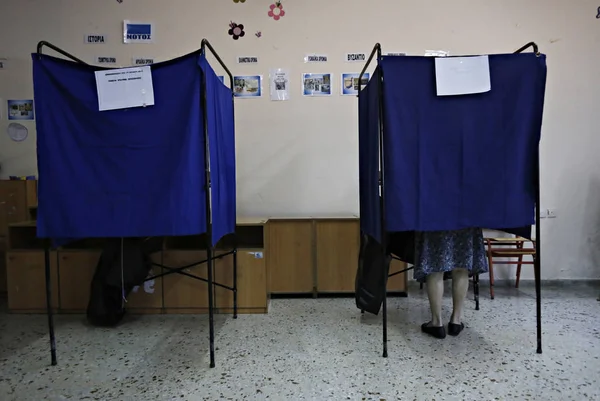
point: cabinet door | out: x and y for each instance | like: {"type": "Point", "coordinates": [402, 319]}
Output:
{"type": "Point", "coordinates": [397, 283]}
{"type": "Point", "coordinates": [26, 281]}
{"type": "Point", "coordinates": [13, 203]}
{"type": "Point", "coordinates": [77, 269]}
{"type": "Point", "coordinates": [2, 266]}
{"type": "Point", "coordinates": [148, 297]}
{"type": "Point", "coordinates": [181, 293]}
{"type": "Point", "coordinates": [251, 280]}
{"type": "Point", "coordinates": [337, 243]}
{"type": "Point", "coordinates": [289, 255]}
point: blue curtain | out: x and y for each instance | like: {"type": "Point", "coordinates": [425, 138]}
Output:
{"type": "Point", "coordinates": [120, 173]}
{"type": "Point", "coordinates": [368, 158]}
{"type": "Point", "coordinates": [221, 142]}
{"type": "Point", "coordinates": [453, 162]}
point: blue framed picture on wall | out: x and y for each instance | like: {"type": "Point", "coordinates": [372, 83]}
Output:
{"type": "Point", "coordinates": [316, 84]}
{"type": "Point", "coordinates": [247, 86]}
{"type": "Point", "coordinates": [350, 83]}
{"type": "Point", "coordinates": [20, 110]}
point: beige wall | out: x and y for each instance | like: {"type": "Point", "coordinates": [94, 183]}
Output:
{"type": "Point", "coordinates": [300, 157]}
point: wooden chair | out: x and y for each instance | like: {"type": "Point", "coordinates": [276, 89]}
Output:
{"type": "Point", "coordinates": [508, 248]}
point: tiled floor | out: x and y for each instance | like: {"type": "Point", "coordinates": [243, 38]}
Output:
{"type": "Point", "coordinates": [316, 350]}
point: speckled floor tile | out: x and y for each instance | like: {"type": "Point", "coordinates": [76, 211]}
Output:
{"type": "Point", "coordinates": [323, 349]}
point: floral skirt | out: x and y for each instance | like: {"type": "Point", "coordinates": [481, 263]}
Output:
{"type": "Point", "coordinates": [444, 251]}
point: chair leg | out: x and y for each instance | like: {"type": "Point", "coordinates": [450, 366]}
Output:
{"type": "Point", "coordinates": [519, 263]}
{"type": "Point", "coordinates": [491, 279]}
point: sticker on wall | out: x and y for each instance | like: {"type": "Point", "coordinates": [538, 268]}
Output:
{"type": "Point", "coordinates": [276, 11]}
{"type": "Point", "coordinates": [247, 60]}
{"type": "Point", "coordinates": [142, 61]}
{"type": "Point", "coordinates": [279, 84]}
{"type": "Point", "coordinates": [437, 53]}
{"type": "Point", "coordinates": [236, 30]}
{"type": "Point", "coordinates": [94, 38]}
{"type": "Point", "coordinates": [138, 32]}
{"type": "Point", "coordinates": [350, 83]}
{"type": "Point", "coordinates": [315, 58]}
{"type": "Point", "coordinates": [355, 57]}
{"type": "Point", "coordinates": [17, 132]}
{"type": "Point", "coordinates": [106, 60]}
{"type": "Point", "coordinates": [20, 109]}
{"type": "Point", "coordinates": [316, 84]}
{"type": "Point", "coordinates": [247, 86]}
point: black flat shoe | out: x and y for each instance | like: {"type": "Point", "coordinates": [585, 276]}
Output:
{"type": "Point", "coordinates": [437, 332]}
{"type": "Point", "coordinates": [455, 329]}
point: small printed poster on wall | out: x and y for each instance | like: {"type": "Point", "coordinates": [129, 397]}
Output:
{"type": "Point", "coordinates": [106, 60]}
{"type": "Point", "coordinates": [316, 84]}
{"type": "Point", "coordinates": [315, 58]}
{"type": "Point", "coordinates": [142, 60]}
{"type": "Point", "coordinates": [20, 109]}
{"type": "Point", "coordinates": [350, 83]}
{"type": "Point", "coordinates": [247, 86]}
{"type": "Point", "coordinates": [138, 32]}
{"type": "Point", "coordinates": [94, 39]}
{"type": "Point", "coordinates": [279, 84]}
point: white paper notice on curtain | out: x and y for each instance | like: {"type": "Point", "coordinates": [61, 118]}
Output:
{"type": "Point", "coordinates": [122, 88]}
{"type": "Point", "coordinates": [462, 75]}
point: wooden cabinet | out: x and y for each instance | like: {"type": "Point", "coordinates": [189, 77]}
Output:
{"type": "Point", "coordinates": [318, 256]}
{"type": "Point", "coordinates": [26, 281]}
{"type": "Point", "coordinates": [74, 265]}
{"type": "Point", "coordinates": [16, 197]}
{"type": "Point", "coordinates": [184, 294]}
{"type": "Point", "coordinates": [2, 266]}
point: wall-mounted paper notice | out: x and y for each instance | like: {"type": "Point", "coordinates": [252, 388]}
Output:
{"type": "Point", "coordinates": [437, 53]}
{"type": "Point", "coordinates": [315, 58]}
{"type": "Point", "coordinates": [142, 60]}
{"type": "Point", "coordinates": [279, 84]}
{"type": "Point", "coordinates": [355, 57]}
{"type": "Point", "coordinates": [94, 38]}
{"type": "Point", "coordinates": [124, 87]}
{"type": "Point", "coordinates": [106, 60]}
{"type": "Point", "coordinates": [247, 60]}
{"type": "Point", "coordinates": [462, 75]}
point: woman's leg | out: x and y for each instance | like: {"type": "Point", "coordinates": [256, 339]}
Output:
{"type": "Point", "coordinates": [460, 286]}
{"type": "Point", "coordinates": [435, 293]}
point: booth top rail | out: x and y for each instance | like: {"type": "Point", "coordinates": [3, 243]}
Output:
{"type": "Point", "coordinates": [43, 43]}
{"type": "Point", "coordinates": [205, 44]}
